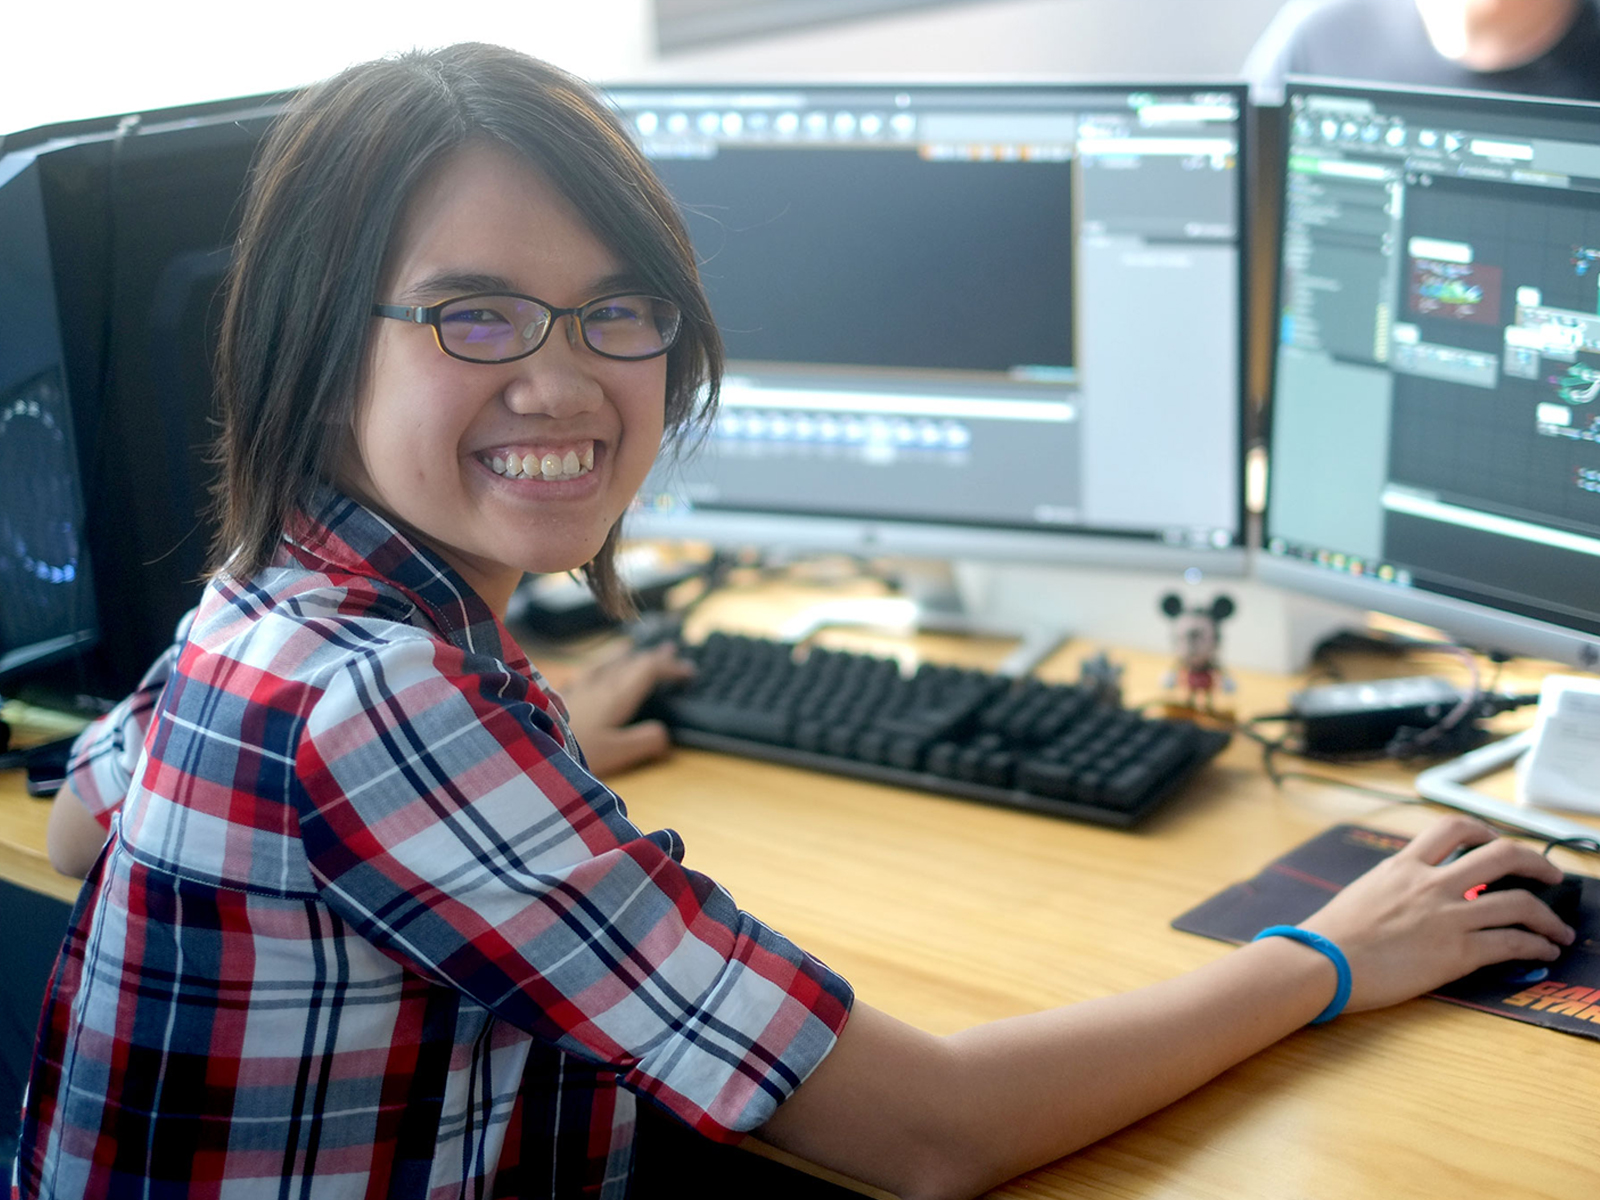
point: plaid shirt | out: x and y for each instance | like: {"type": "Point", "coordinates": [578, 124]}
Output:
{"type": "Point", "coordinates": [366, 926]}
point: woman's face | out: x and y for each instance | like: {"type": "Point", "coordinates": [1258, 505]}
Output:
{"type": "Point", "coordinates": [429, 429]}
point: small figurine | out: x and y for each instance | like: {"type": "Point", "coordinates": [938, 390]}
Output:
{"type": "Point", "coordinates": [1103, 679]}
{"type": "Point", "coordinates": [1196, 634]}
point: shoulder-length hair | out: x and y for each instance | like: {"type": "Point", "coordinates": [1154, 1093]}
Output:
{"type": "Point", "coordinates": [328, 189]}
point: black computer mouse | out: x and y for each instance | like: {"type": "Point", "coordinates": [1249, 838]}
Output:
{"type": "Point", "coordinates": [1565, 900]}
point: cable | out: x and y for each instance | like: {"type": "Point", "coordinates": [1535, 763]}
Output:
{"type": "Point", "coordinates": [1581, 845]}
{"type": "Point", "coordinates": [1455, 732]}
{"type": "Point", "coordinates": [1271, 748]}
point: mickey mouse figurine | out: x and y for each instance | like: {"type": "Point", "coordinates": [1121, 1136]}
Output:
{"type": "Point", "coordinates": [1196, 635]}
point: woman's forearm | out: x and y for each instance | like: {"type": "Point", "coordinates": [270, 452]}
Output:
{"type": "Point", "coordinates": [928, 1116]}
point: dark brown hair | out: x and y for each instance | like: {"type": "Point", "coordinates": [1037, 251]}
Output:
{"type": "Point", "coordinates": [326, 195]}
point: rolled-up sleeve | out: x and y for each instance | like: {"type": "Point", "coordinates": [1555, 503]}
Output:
{"type": "Point", "coordinates": [444, 819]}
{"type": "Point", "coordinates": [100, 767]}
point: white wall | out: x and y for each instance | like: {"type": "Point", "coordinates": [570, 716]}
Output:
{"type": "Point", "coordinates": [90, 58]}
{"type": "Point", "coordinates": [1131, 39]}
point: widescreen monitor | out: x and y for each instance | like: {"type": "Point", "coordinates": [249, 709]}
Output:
{"type": "Point", "coordinates": [1435, 421]}
{"type": "Point", "coordinates": [963, 322]}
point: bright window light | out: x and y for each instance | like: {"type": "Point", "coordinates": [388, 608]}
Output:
{"type": "Point", "coordinates": [98, 57]}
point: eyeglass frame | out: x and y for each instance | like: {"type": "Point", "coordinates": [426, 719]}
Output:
{"type": "Point", "coordinates": [429, 314]}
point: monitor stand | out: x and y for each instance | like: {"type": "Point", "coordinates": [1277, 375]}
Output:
{"type": "Point", "coordinates": [929, 601]}
{"type": "Point", "coordinates": [1447, 784]}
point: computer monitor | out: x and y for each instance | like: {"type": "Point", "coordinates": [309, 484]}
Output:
{"type": "Point", "coordinates": [1435, 420]}
{"type": "Point", "coordinates": [964, 321]}
{"type": "Point", "coordinates": [47, 608]}
{"type": "Point", "coordinates": [995, 321]}
{"type": "Point", "coordinates": [114, 236]}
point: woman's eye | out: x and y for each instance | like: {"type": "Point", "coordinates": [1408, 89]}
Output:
{"type": "Point", "coordinates": [616, 310]}
{"type": "Point", "coordinates": [475, 317]}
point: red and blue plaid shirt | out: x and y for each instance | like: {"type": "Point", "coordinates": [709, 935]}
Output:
{"type": "Point", "coordinates": [366, 926]}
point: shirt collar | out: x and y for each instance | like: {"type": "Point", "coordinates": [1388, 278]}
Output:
{"type": "Point", "coordinates": [341, 533]}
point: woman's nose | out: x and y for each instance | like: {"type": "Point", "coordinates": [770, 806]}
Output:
{"type": "Point", "coordinates": [559, 378]}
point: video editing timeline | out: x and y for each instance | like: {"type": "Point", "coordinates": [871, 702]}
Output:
{"type": "Point", "coordinates": [981, 307]}
{"type": "Point", "coordinates": [1435, 415]}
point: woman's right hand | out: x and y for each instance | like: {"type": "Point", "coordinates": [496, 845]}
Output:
{"type": "Point", "coordinates": [1407, 926]}
{"type": "Point", "coordinates": [603, 702]}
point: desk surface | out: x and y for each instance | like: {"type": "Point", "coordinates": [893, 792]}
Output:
{"type": "Point", "coordinates": [948, 914]}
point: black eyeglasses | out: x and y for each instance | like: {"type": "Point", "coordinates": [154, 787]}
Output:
{"type": "Point", "coordinates": [500, 327]}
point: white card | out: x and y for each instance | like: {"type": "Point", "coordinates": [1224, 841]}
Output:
{"type": "Point", "coordinates": [1563, 768]}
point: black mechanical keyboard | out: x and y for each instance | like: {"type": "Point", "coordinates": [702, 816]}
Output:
{"type": "Point", "coordinates": [1051, 748]}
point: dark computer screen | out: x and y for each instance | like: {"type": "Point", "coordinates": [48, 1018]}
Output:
{"type": "Point", "coordinates": [1435, 441]}
{"type": "Point", "coordinates": [110, 299]}
{"type": "Point", "coordinates": [47, 605]}
{"type": "Point", "coordinates": [981, 321]}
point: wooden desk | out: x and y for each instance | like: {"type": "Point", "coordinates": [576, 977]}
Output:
{"type": "Point", "coordinates": [948, 914]}
{"type": "Point", "coordinates": [23, 817]}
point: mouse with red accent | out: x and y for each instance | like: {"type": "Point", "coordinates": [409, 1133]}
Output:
{"type": "Point", "coordinates": [1565, 899]}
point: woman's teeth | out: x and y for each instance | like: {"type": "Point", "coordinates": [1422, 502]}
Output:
{"type": "Point", "coordinates": [552, 465]}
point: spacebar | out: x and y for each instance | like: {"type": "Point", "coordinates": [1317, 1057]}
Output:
{"type": "Point", "coordinates": [761, 725]}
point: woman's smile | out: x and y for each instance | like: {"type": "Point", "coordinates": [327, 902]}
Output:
{"type": "Point", "coordinates": [547, 463]}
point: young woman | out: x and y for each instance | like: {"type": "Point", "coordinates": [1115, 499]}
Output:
{"type": "Point", "coordinates": [367, 924]}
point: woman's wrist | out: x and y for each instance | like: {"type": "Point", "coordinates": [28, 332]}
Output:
{"type": "Point", "coordinates": [1328, 951]}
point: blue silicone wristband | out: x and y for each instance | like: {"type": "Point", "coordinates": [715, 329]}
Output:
{"type": "Point", "coordinates": [1341, 964]}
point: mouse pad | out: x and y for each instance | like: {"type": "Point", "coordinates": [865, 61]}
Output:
{"type": "Point", "coordinates": [1564, 996]}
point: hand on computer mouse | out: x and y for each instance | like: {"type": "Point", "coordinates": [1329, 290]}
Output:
{"type": "Point", "coordinates": [1565, 899]}
{"type": "Point", "coordinates": [1407, 926]}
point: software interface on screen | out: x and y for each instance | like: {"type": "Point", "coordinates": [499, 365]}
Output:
{"type": "Point", "coordinates": [1435, 421]}
{"type": "Point", "coordinates": [988, 308]}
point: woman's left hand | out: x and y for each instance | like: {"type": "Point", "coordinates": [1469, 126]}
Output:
{"type": "Point", "coordinates": [602, 702]}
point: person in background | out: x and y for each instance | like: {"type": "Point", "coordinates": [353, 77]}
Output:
{"type": "Point", "coordinates": [1533, 47]}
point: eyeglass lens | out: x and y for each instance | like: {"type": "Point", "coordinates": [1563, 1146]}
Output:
{"type": "Point", "coordinates": [493, 328]}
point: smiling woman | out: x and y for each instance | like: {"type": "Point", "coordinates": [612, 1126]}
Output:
{"type": "Point", "coordinates": [430, 426]}
{"type": "Point", "coordinates": [433, 182]}
{"type": "Point", "coordinates": [354, 785]}
{"type": "Point", "coordinates": [367, 922]}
